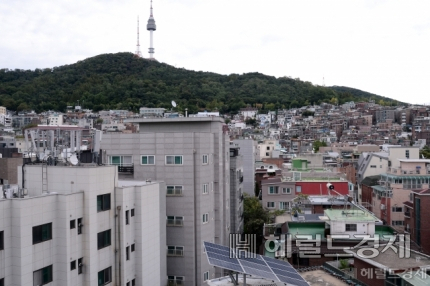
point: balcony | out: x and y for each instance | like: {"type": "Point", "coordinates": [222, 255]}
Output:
{"type": "Point", "coordinates": [407, 214]}
{"type": "Point", "coordinates": [175, 222]}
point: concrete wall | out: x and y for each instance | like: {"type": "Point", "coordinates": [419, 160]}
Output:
{"type": "Point", "coordinates": [247, 150]}
{"type": "Point", "coordinates": [236, 193]}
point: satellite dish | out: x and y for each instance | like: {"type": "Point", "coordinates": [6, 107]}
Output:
{"type": "Point", "coordinates": [173, 103]}
{"type": "Point", "coordinates": [73, 160]}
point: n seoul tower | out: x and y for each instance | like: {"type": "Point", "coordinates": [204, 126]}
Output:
{"type": "Point", "coordinates": [151, 27]}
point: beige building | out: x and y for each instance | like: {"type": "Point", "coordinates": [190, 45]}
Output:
{"type": "Point", "coordinates": [396, 185]}
{"type": "Point", "coordinates": [265, 149]}
{"type": "Point", "coordinates": [372, 164]}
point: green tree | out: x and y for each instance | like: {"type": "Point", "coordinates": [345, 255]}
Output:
{"type": "Point", "coordinates": [255, 216]}
{"type": "Point", "coordinates": [425, 152]}
{"type": "Point", "coordinates": [317, 144]}
{"type": "Point", "coordinates": [251, 121]}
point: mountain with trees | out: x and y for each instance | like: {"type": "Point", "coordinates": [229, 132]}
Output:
{"type": "Point", "coordinates": [122, 81]}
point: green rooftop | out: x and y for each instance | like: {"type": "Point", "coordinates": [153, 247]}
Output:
{"type": "Point", "coordinates": [353, 215]}
{"type": "Point", "coordinates": [314, 228]}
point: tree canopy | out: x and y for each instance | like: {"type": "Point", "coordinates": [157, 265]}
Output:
{"type": "Point", "coordinates": [122, 81]}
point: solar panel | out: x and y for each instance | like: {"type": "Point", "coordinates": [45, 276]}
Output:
{"type": "Point", "coordinates": [251, 264]}
{"type": "Point", "coordinates": [293, 281]}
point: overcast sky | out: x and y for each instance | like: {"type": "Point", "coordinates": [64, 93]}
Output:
{"type": "Point", "coordinates": [381, 47]}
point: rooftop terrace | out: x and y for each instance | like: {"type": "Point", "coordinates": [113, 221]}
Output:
{"type": "Point", "coordinates": [354, 215]}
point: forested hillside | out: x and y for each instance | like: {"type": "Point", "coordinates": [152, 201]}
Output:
{"type": "Point", "coordinates": [121, 81]}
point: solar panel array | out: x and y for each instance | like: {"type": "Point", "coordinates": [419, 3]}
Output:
{"type": "Point", "coordinates": [251, 264]}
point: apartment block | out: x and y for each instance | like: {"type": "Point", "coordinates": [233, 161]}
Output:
{"type": "Point", "coordinates": [79, 225]}
{"type": "Point", "coordinates": [191, 155]}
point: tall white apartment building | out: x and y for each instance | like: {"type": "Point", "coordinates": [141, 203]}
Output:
{"type": "Point", "coordinates": [192, 155]}
{"type": "Point", "coordinates": [80, 225]}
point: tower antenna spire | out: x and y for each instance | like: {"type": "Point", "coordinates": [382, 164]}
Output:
{"type": "Point", "coordinates": [151, 28]}
{"type": "Point", "coordinates": [151, 15]}
{"type": "Point", "coordinates": [138, 54]}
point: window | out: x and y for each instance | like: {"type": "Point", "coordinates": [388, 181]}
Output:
{"type": "Point", "coordinates": [175, 251]}
{"type": "Point", "coordinates": [205, 159]}
{"type": "Point", "coordinates": [284, 205]}
{"type": "Point", "coordinates": [80, 265]}
{"type": "Point", "coordinates": [42, 276]}
{"type": "Point", "coordinates": [120, 160]}
{"type": "Point", "coordinates": [73, 265]}
{"type": "Point", "coordinates": [72, 224]}
{"type": "Point", "coordinates": [80, 225]}
{"type": "Point", "coordinates": [133, 282]}
{"type": "Point", "coordinates": [103, 202]}
{"type": "Point", "coordinates": [127, 220]}
{"type": "Point", "coordinates": [350, 227]}
{"type": "Point", "coordinates": [267, 154]}
{"type": "Point", "coordinates": [273, 189]}
{"type": "Point", "coordinates": [380, 166]}
{"type": "Point", "coordinates": [286, 190]}
{"type": "Point", "coordinates": [1, 240]}
{"type": "Point", "coordinates": [128, 284]}
{"type": "Point", "coordinates": [205, 189]}
{"type": "Point", "coordinates": [372, 166]}
{"type": "Point", "coordinates": [270, 204]}
{"type": "Point", "coordinates": [175, 220]}
{"type": "Point", "coordinates": [298, 189]}
{"type": "Point", "coordinates": [133, 246]}
{"type": "Point", "coordinates": [397, 222]}
{"type": "Point", "coordinates": [103, 239]}
{"type": "Point", "coordinates": [407, 154]}
{"type": "Point", "coordinates": [105, 276]}
{"type": "Point", "coordinates": [206, 274]}
{"type": "Point", "coordinates": [42, 233]}
{"type": "Point", "coordinates": [127, 253]}
{"type": "Point", "coordinates": [2, 282]}
{"type": "Point", "coordinates": [175, 280]}
{"type": "Point", "coordinates": [397, 209]}
{"type": "Point", "coordinates": [174, 190]}
{"type": "Point", "coordinates": [205, 218]}
{"type": "Point", "coordinates": [267, 148]}
{"type": "Point", "coordinates": [173, 160]}
{"type": "Point", "coordinates": [147, 160]}
{"type": "Point", "coordinates": [132, 212]}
